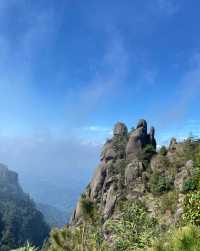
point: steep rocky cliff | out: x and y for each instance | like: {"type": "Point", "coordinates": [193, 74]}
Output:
{"type": "Point", "coordinates": [134, 185]}
{"type": "Point", "coordinates": [122, 171]}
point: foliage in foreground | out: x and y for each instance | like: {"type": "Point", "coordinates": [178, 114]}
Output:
{"type": "Point", "coordinates": [183, 239]}
{"type": "Point", "coordinates": [134, 229]}
{"type": "Point", "coordinates": [28, 247]}
{"type": "Point", "coordinates": [87, 236]}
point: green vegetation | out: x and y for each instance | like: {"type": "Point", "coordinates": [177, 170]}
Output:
{"type": "Point", "coordinates": [169, 201]}
{"type": "Point", "coordinates": [20, 221]}
{"type": "Point", "coordinates": [119, 144]}
{"type": "Point", "coordinates": [189, 185]}
{"type": "Point", "coordinates": [191, 207]}
{"type": "Point", "coordinates": [88, 236]}
{"type": "Point", "coordinates": [163, 150]}
{"type": "Point", "coordinates": [134, 229]}
{"type": "Point", "coordinates": [159, 183]}
{"type": "Point", "coordinates": [146, 154]}
{"type": "Point", "coordinates": [28, 247]}
{"type": "Point", "coordinates": [182, 239]}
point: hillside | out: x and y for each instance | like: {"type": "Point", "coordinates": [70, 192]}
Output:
{"type": "Point", "coordinates": [137, 197]}
{"type": "Point", "coordinates": [53, 216]}
{"type": "Point", "coordinates": [20, 221]}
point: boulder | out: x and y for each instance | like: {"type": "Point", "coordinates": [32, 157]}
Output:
{"type": "Point", "coordinates": [137, 140]}
{"type": "Point", "coordinates": [173, 144]}
{"type": "Point", "coordinates": [120, 129]}
{"type": "Point", "coordinates": [142, 123]}
{"type": "Point", "coordinates": [152, 140]}
{"type": "Point", "coordinates": [98, 181]}
{"type": "Point", "coordinates": [133, 171]}
{"type": "Point", "coordinates": [111, 199]}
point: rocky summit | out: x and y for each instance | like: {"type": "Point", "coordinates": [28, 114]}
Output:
{"type": "Point", "coordinates": [120, 172]}
{"type": "Point", "coordinates": [138, 193]}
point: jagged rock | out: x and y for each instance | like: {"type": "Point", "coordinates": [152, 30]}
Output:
{"type": "Point", "coordinates": [136, 141]}
{"type": "Point", "coordinates": [120, 129]}
{"type": "Point", "coordinates": [173, 144]}
{"type": "Point", "coordinates": [152, 140]}
{"type": "Point", "coordinates": [115, 148]}
{"type": "Point", "coordinates": [189, 166]}
{"type": "Point", "coordinates": [123, 174]}
{"type": "Point", "coordinates": [142, 124]}
{"type": "Point", "coordinates": [111, 199]}
{"type": "Point", "coordinates": [98, 181]}
{"type": "Point", "coordinates": [106, 152]}
{"type": "Point", "coordinates": [76, 216]}
{"type": "Point", "coordinates": [180, 177]}
{"type": "Point", "coordinates": [159, 163]}
{"type": "Point", "coordinates": [133, 171]}
{"type": "Point", "coordinates": [139, 139]}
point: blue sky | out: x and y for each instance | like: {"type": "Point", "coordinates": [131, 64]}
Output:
{"type": "Point", "coordinates": [70, 69]}
{"type": "Point", "coordinates": [69, 64]}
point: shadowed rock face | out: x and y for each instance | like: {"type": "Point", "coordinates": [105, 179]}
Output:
{"type": "Point", "coordinates": [139, 138]}
{"type": "Point", "coordinates": [131, 170]}
{"type": "Point", "coordinates": [115, 147]}
{"type": "Point", "coordinates": [119, 168]}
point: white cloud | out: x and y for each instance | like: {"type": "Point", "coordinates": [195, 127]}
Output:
{"type": "Point", "coordinates": [48, 165]}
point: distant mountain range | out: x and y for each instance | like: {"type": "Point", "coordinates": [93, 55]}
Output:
{"type": "Point", "coordinates": [53, 216]}
{"type": "Point", "coordinates": [20, 220]}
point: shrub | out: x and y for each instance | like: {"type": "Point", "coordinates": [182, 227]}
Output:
{"type": "Point", "coordinates": [79, 238]}
{"type": "Point", "coordinates": [133, 230]}
{"type": "Point", "coordinates": [189, 185]}
{"type": "Point", "coordinates": [169, 201]}
{"type": "Point", "coordinates": [146, 154]}
{"type": "Point", "coordinates": [163, 150]}
{"type": "Point", "coordinates": [191, 208]}
{"type": "Point", "coordinates": [119, 145]}
{"type": "Point", "coordinates": [159, 184]}
{"type": "Point", "coordinates": [87, 208]}
{"type": "Point", "coordinates": [28, 247]}
{"type": "Point", "coordinates": [182, 239]}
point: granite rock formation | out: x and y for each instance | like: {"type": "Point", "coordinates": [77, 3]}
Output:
{"type": "Point", "coordinates": [120, 167]}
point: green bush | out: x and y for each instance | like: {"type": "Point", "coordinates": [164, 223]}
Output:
{"type": "Point", "coordinates": [191, 208]}
{"type": "Point", "coordinates": [163, 150]}
{"type": "Point", "coordinates": [79, 238]}
{"type": "Point", "coordinates": [133, 230]}
{"type": "Point", "coordinates": [146, 154]}
{"type": "Point", "coordinates": [189, 185]}
{"type": "Point", "coordinates": [169, 201]}
{"type": "Point", "coordinates": [159, 183]}
{"type": "Point", "coordinates": [182, 239]}
{"type": "Point", "coordinates": [87, 208]}
{"type": "Point", "coordinates": [28, 247]}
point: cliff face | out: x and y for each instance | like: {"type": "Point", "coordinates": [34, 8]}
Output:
{"type": "Point", "coordinates": [131, 169]}
{"type": "Point", "coordinates": [121, 172]}
{"type": "Point", "coordinates": [136, 194]}
{"type": "Point", "coordinates": [9, 183]}
{"type": "Point", "coordinates": [20, 221]}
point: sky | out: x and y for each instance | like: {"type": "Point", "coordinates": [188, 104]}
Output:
{"type": "Point", "coordinates": [69, 70]}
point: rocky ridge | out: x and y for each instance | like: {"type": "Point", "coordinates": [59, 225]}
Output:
{"type": "Point", "coordinates": [130, 169]}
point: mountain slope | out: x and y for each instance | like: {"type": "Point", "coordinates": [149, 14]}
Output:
{"type": "Point", "coordinates": [136, 195]}
{"type": "Point", "coordinates": [53, 216]}
{"type": "Point", "coordinates": [19, 219]}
